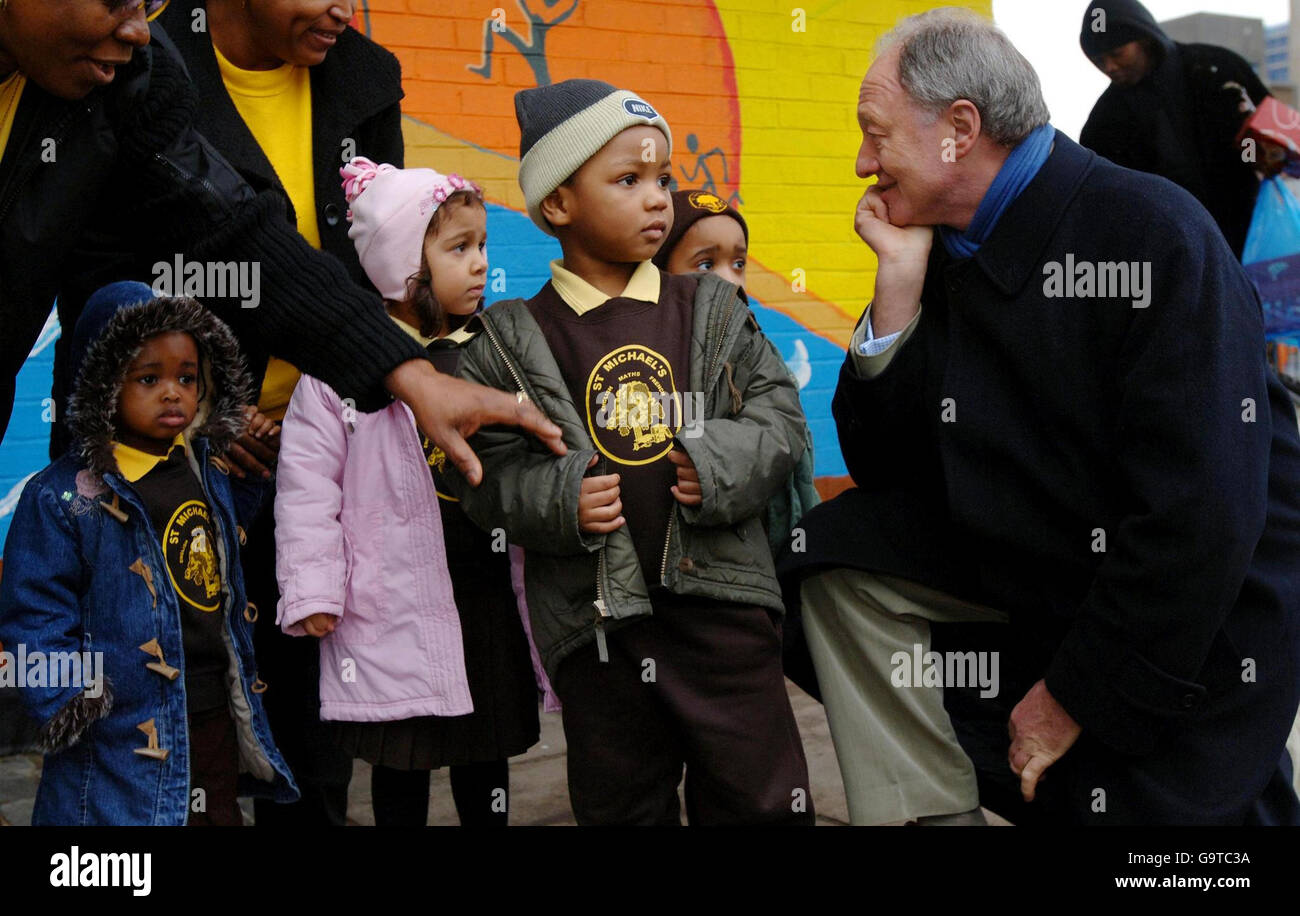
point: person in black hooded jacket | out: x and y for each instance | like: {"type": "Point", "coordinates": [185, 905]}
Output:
{"type": "Point", "coordinates": [1174, 110]}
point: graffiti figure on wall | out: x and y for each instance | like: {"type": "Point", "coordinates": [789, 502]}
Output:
{"type": "Point", "coordinates": [708, 182]}
{"type": "Point", "coordinates": [533, 50]}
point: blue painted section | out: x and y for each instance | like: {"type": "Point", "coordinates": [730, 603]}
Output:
{"type": "Point", "coordinates": [823, 359]}
{"type": "Point", "coordinates": [26, 446]}
{"type": "Point", "coordinates": [523, 254]}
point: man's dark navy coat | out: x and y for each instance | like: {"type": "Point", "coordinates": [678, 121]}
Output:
{"type": "Point", "coordinates": [1124, 482]}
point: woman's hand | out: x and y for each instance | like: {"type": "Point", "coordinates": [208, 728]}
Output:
{"type": "Point", "coordinates": [449, 410]}
{"type": "Point", "coordinates": [256, 451]}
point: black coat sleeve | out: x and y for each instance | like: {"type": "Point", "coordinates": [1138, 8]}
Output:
{"type": "Point", "coordinates": [883, 422]}
{"type": "Point", "coordinates": [1192, 446]}
{"type": "Point", "coordinates": [182, 196]}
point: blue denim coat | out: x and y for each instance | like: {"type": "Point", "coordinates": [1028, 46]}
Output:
{"type": "Point", "coordinates": [85, 572]}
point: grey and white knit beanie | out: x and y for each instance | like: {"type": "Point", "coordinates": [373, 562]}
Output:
{"type": "Point", "coordinates": [563, 125]}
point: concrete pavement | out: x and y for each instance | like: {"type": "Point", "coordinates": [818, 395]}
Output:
{"type": "Point", "coordinates": [538, 786]}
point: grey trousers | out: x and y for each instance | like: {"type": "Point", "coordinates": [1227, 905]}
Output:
{"type": "Point", "coordinates": [897, 751]}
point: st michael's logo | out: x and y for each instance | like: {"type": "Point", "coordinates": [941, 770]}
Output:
{"type": "Point", "coordinates": [633, 412]}
{"type": "Point", "coordinates": [192, 557]}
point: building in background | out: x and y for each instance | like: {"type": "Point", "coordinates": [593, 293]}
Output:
{"type": "Point", "coordinates": [1277, 54]}
{"type": "Point", "coordinates": [1236, 33]}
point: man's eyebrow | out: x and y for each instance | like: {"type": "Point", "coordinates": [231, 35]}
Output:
{"type": "Point", "coordinates": [637, 162]}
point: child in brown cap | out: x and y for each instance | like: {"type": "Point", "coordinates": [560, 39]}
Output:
{"type": "Point", "coordinates": [707, 236]}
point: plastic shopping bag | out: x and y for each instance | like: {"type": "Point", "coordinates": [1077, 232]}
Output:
{"type": "Point", "coordinates": [1272, 257]}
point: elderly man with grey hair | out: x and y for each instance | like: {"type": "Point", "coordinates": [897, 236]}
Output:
{"type": "Point", "coordinates": [1074, 544]}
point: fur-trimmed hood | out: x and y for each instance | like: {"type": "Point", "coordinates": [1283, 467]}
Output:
{"type": "Point", "coordinates": [108, 336]}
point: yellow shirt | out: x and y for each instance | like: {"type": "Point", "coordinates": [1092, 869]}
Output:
{"type": "Point", "coordinates": [134, 463]}
{"type": "Point", "coordinates": [276, 107]}
{"type": "Point", "coordinates": [11, 90]}
{"type": "Point", "coordinates": [582, 297]}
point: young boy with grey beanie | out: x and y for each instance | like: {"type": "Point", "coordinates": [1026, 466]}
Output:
{"type": "Point", "coordinates": [648, 574]}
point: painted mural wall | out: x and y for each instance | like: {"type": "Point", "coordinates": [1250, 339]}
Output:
{"type": "Point", "coordinates": [760, 96]}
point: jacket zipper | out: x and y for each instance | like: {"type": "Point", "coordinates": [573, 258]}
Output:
{"type": "Point", "coordinates": [501, 352]}
{"type": "Point", "coordinates": [188, 177]}
{"type": "Point", "coordinates": [668, 537]}
{"type": "Point", "coordinates": [57, 135]}
{"type": "Point", "coordinates": [602, 647]}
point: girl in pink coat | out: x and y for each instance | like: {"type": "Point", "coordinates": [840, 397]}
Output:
{"type": "Point", "coordinates": [424, 657]}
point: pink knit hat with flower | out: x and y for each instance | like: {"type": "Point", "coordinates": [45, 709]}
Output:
{"type": "Point", "coordinates": [390, 209]}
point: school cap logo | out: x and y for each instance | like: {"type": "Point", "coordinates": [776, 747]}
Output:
{"type": "Point", "coordinates": [703, 200]}
{"type": "Point", "coordinates": [639, 109]}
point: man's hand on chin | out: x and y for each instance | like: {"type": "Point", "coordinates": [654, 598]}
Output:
{"type": "Point", "coordinates": [903, 253]}
{"type": "Point", "coordinates": [1041, 732]}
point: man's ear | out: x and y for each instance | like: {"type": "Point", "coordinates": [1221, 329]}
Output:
{"type": "Point", "coordinates": [964, 118]}
{"type": "Point", "coordinates": [555, 207]}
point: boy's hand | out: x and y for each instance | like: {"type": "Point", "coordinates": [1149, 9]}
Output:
{"type": "Point", "coordinates": [256, 451]}
{"type": "Point", "coordinates": [599, 504]}
{"type": "Point", "coordinates": [687, 491]}
{"type": "Point", "coordinates": [319, 625]}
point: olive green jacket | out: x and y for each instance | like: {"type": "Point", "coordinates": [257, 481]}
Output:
{"type": "Point", "coordinates": [580, 585]}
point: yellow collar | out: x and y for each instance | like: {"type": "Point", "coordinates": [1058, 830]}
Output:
{"type": "Point", "coordinates": [257, 82]}
{"type": "Point", "coordinates": [459, 336]}
{"type": "Point", "coordinates": [582, 297]}
{"type": "Point", "coordinates": [134, 464]}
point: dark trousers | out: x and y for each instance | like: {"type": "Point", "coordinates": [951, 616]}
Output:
{"type": "Point", "coordinates": [290, 667]}
{"type": "Point", "coordinates": [401, 797]}
{"type": "Point", "coordinates": [214, 769]}
{"type": "Point", "coordinates": [697, 685]}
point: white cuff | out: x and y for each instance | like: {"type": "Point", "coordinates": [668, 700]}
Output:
{"type": "Point", "coordinates": [871, 344]}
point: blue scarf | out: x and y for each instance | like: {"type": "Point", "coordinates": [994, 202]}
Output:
{"type": "Point", "coordinates": [1016, 173]}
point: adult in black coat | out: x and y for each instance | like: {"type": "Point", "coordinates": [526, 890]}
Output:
{"type": "Point", "coordinates": [355, 94]}
{"type": "Point", "coordinates": [1175, 110]}
{"type": "Point", "coordinates": [1116, 468]}
{"type": "Point", "coordinates": [104, 167]}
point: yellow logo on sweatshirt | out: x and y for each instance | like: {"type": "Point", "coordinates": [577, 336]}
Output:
{"type": "Point", "coordinates": [633, 409]}
{"type": "Point", "coordinates": [192, 557]}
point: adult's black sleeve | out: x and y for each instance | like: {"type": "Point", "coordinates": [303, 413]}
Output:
{"type": "Point", "coordinates": [184, 198]}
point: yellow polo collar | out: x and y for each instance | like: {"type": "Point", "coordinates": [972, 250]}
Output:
{"type": "Point", "coordinates": [582, 297]}
{"type": "Point", "coordinates": [459, 336]}
{"type": "Point", "coordinates": [134, 464]}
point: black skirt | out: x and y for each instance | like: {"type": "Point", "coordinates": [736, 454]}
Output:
{"type": "Point", "coordinates": [497, 661]}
